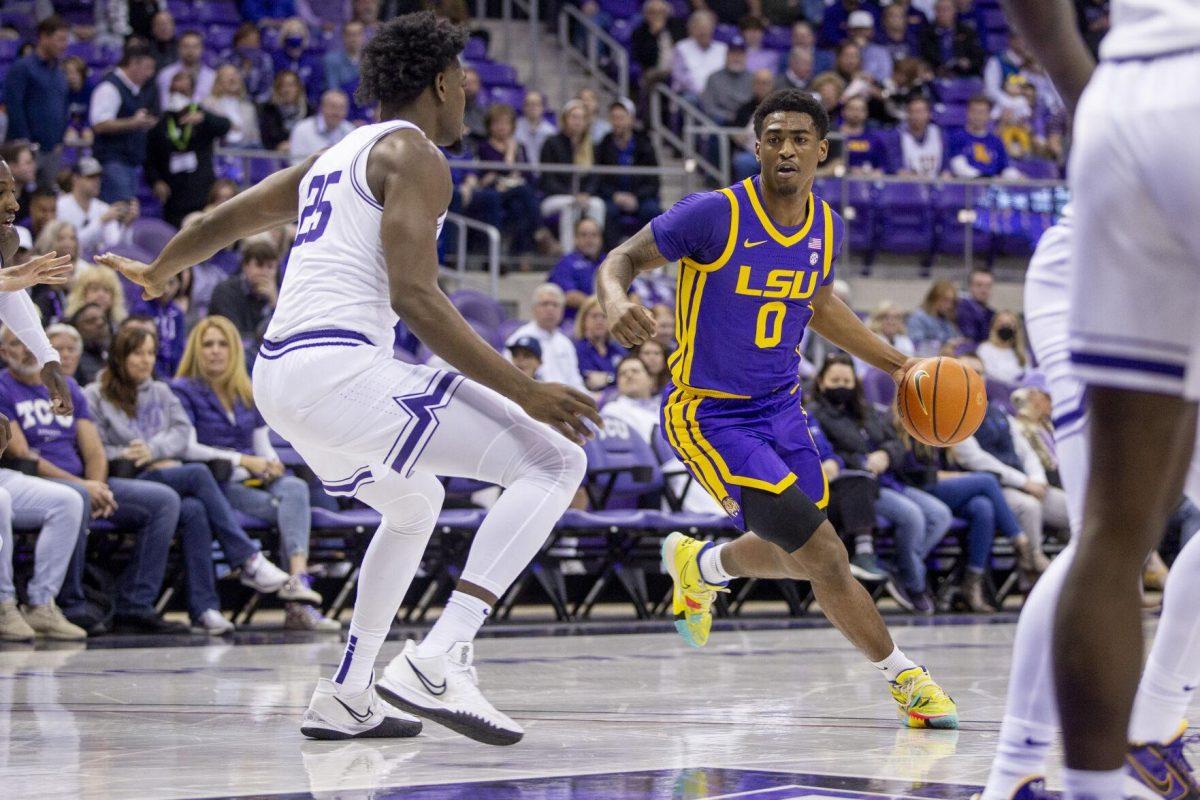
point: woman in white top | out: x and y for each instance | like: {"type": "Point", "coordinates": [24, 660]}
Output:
{"type": "Point", "coordinates": [1004, 355]}
{"type": "Point", "coordinates": [229, 100]}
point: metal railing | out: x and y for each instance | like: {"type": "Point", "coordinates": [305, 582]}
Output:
{"type": "Point", "coordinates": [532, 13]}
{"type": "Point", "coordinates": [463, 224]}
{"type": "Point", "coordinates": [684, 143]}
{"type": "Point", "coordinates": [597, 44]}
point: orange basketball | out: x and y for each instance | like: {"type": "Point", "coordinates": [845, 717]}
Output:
{"type": "Point", "coordinates": [941, 401]}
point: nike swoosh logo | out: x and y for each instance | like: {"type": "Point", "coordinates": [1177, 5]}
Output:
{"type": "Point", "coordinates": [360, 718]}
{"type": "Point", "coordinates": [748, 244]}
{"type": "Point", "coordinates": [1189, 688]}
{"type": "Point", "coordinates": [1031, 742]}
{"type": "Point", "coordinates": [1161, 787]}
{"type": "Point", "coordinates": [430, 686]}
{"type": "Point", "coordinates": [920, 394]}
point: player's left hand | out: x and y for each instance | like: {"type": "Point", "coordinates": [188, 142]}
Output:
{"type": "Point", "coordinates": [60, 395]}
{"type": "Point", "coordinates": [140, 273]}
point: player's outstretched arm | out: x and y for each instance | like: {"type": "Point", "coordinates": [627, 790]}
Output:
{"type": "Point", "coordinates": [630, 323]}
{"type": "Point", "coordinates": [412, 180]}
{"type": "Point", "coordinates": [1050, 28]}
{"type": "Point", "coordinates": [264, 206]}
{"type": "Point", "coordinates": [838, 323]}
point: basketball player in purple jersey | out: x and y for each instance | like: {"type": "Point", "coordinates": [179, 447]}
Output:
{"type": "Point", "coordinates": [756, 268]}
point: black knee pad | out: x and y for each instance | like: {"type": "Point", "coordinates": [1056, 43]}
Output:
{"type": "Point", "coordinates": [788, 519]}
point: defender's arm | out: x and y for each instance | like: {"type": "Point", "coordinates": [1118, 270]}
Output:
{"type": "Point", "coordinates": [1052, 32]}
{"type": "Point", "coordinates": [835, 320]}
{"type": "Point", "coordinates": [412, 179]}
{"type": "Point", "coordinates": [260, 208]}
{"type": "Point", "coordinates": [630, 323]}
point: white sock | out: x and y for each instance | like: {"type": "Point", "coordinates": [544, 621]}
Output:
{"type": "Point", "coordinates": [1020, 754]}
{"type": "Point", "coordinates": [864, 544]}
{"type": "Point", "coordinates": [1173, 669]}
{"type": "Point", "coordinates": [894, 664]}
{"type": "Point", "coordinates": [1030, 714]}
{"type": "Point", "coordinates": [410, 508]}
{"type": "Point", "coordinates": [711, 568]}
{"type": "Point", "coordinates": [462, 618]}
{"type": "Point", "coordinates": [1083, 784]}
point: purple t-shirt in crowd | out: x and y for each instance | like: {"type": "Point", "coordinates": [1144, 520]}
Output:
{"type": "Point", "coordinates": [863, 149]}
{"type": "Point", "coordinates": [52, 436]}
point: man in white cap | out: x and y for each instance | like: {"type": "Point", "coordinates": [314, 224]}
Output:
{"type": "Point", "coordinates": [876, 60]}
{"type": "Point", "coordinates": [97, 224]}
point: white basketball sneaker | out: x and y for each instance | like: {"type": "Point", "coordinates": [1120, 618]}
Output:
{"type": "Point", "coordinates": [333, 714]}
{"type": "Point", "coordinates": [445, 689]}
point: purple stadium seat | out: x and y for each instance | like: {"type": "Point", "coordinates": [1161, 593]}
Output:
{"type": "Point", "coordinates": [219, 11]}
{"type": "Point", "coordinates": [621, 467]}
{"type": "Point", "coordinates": [475, 50]}
{"type": "Point", "coordinates": [995, 41]}
{"type": "Point", "coordinates": [8, 49]}
{"type": "Point", "coordinates": [621, 9]}
{"type": "Point", "coordinates": [88, 51]}
{"type": "Point", "coordinates": [478, 307]}
{"type": "Point", "coordinates": [150, 234]}
{"type": "Point", "coordinates": [493, 74]}
{"type": "Point", "coordinates": [1039, 168]}
{"type": "Point", "coordinates": [355, 519]}
{"type": "Point", "coordinates": [879, 387]}
{"type": "Point", "coordinates": [508, 327]}
{"type": "Point", "coordinates": [1000, 393]}
{"type": "Point", "coordinates": [950, 233]}
{"type": "Point", "coordinates": [183, 12]}
{"type": "Point", "coordinates": [993, 19]}
{"type": "Point", "coordinates": [218, 38]}
{"type": "Point", "coordinates": [906, 218]}
{"type": "Point", "coordinates": [950, 115]}
{"type": "Point", "coordinates": [622, 30]}
{"type": "Point", "coordinates": [890, 139]}
{"type": "Point", "coordinates": [957, 90]}
{"type": "Point", "coordinates": [862, 229]}
{"type": "Point", "coordinates": [509, 95]}
{"type": "Point", "coordinates": [778, 37]}
{"type": "Point", "coordinates": [725, 32]}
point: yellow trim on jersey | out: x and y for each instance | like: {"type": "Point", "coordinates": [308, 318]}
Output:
{"type": "Point", "coordinates": [824, 501]}
{"type": "Point", "coordinates": [715, 394]}
{"type": "Point", "coordinates": [827, 264]}
{"type": "Point", "coordinates": [677, 432]}
{"type": "Point", "coordinates": [689, 333]}
{"type": "Point", "coordinates": [769, 226]}
{"type": "Point", "coordinates": [730, 243]}
{"type": "Point", "coordinates": [736, 480]}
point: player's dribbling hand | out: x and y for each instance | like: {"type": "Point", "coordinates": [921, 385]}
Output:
{"type": "Point", "coordinates": [899, 374]}
{"type": "Point", "coordinates": [630, 323]}
{"type": "Point", "coordinates": [564, 409]}
{"type": "Point", "coordinates": [140, 273]}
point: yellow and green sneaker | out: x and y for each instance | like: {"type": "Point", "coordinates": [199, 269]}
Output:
{"type": "Point", "coordinates": [693, 596]}
{"type": "Point", "coordinates": [923, 704]}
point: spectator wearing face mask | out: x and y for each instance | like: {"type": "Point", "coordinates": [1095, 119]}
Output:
{"type": "Point", "coordinates": [1004, 354]}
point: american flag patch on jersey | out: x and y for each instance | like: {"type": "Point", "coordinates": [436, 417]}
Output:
{"type": "Point", "coordinates": [814, 243]}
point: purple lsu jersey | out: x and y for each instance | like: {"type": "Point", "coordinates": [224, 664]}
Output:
{"type": "Point", "coordinates": [731, 411]}
{"type": "Point", "coordinates": [744, 289]}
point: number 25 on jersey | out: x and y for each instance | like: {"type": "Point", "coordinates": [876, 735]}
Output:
{"type": "Point", "coordinates": [315, 215]}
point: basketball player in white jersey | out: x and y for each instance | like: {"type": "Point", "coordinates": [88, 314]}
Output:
{"type": "Point", "coordinates": [1154, 762]}
{"type": "Point", "coordinates": [1132, 341]}
{"type": "Point", "coordinates": [372, 427]}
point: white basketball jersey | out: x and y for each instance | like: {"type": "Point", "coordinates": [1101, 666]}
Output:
{"type": "Point", "coordinates": [924, 157]}
{"type": "Point", "coordinates": [336, 274]}
{"type": "Point", "coordinates": [1148, 28]}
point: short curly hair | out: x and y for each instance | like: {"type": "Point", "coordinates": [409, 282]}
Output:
{"type": "Point", "coordinates": [791, 100]}
{"type": "Point", "coordinates": [404, 57]}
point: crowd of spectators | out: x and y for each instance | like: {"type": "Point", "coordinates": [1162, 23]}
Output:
{"type": "Point", "coordinates": [108, 156]}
